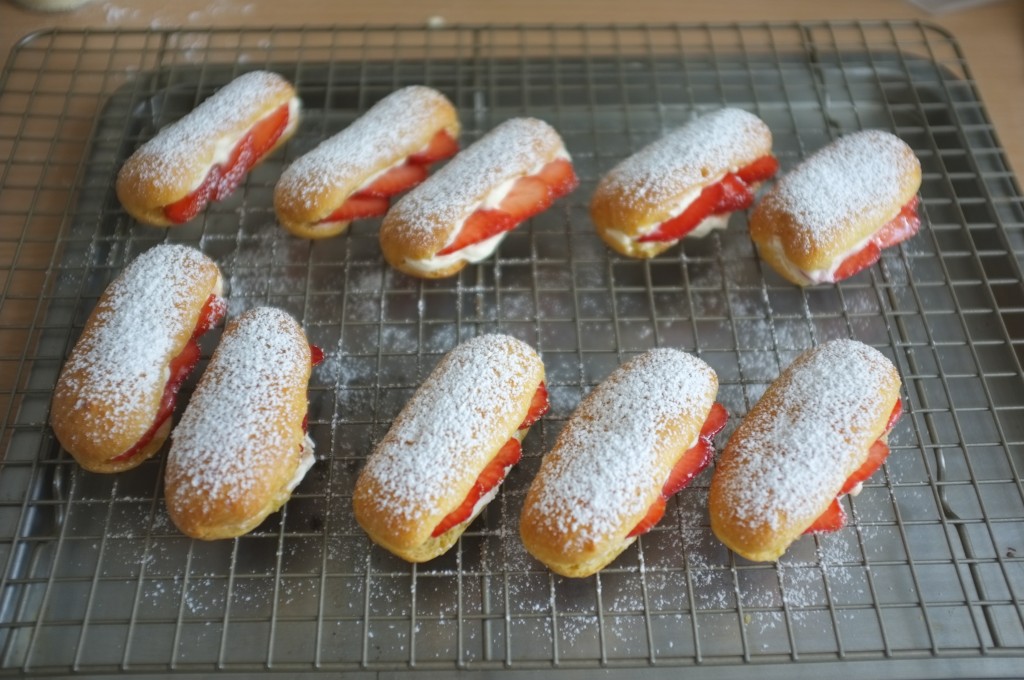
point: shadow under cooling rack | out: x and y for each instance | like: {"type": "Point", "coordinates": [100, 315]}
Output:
{"type": "Point", "coordinates": [928, 578]}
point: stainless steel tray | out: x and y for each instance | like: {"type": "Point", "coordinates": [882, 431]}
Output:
{"type": "Point", "coordinates": [927, 580]}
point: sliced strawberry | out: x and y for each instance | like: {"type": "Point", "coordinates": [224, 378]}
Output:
{"type": "Point", "coordinates": [833, 519]}
{"type": "Point", "coordinates": [900, 228]}
{"type": "Point", "coordinates": [316, 355]}
{"type": "Point", "coordinates": [560, 177]}
{"type": "Point", "coordinates": [441, 146]}
{"type": "Point", "coordinates": [859, 261]}
{"type": "Point", "coordinates": [877, 454]}
{"type": "Point", "coordinates": [394, 181]}
{"type": "Point", "coordinates": [736, 195]}
{"type": "Point", "coordinates": [211, 314]}
{"type": "Point", "coordinates": [529, 196]}
{"type": "Point", "coordinates": [681, 225]}
{"type": "Point", "coordinates": [897, 411]}
{"type": "Point", "coordinates": [492, 476]}
{"type": "Point", "coordinates": [235, 169]}
{"type": "Point", "coordinates": [480, 226]}
{"type": "Point", "coordinates": [763, 168]}
{"type": "Point", "coordinates": [715, 422]}
{"type": "Point", "coordinates": [180, 368]}
{"type": "Point", "coordinates": [184, 209]}
{"type": "Point", "coordinates": [356, 207]}
{"type": "Point", "coordinates": [539, 405]}
{"type": "Point", "coordinates": [689, 465]}
{"type": "Point", "coordinates": [267, 131]}
{"type": "Point", "coordinates": [653, 516]}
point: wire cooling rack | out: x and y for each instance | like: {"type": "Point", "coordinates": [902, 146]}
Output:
{"type": "Point", "coordinates": [927, 580]}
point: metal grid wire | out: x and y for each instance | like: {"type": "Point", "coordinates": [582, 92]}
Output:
{"type": "Point", "coordinates": [928, 579]}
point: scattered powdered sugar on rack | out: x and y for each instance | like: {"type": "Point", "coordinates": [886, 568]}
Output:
{"type": "Point", "coordinates": [603, 463]}
{"type": "Point", "coordinates": [134, 332]}
{"type": "Point", "coordinates": [859, 177]}
{"type": "Point", "coordinates": [448, 418]}
{"type": "Point", "coordinates": [785, 454]}
{"type": "Point", "coordinates": [377, 139]}
{"type": "Point", "coordinates": [689, 157]}
{"type": "Point", "coordinates": [250, 377]}
{"type": "Point", "coordinates": [162, 160]}
{"type": "Point", "coordinates": [509, 151]}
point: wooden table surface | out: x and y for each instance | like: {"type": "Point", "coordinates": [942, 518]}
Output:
{"type": "Point", "coordinates": [992, 36]}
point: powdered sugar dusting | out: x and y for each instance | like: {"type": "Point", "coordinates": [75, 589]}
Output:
{"type": "Point", "coordinates": [377, 139]}
{"type": "Point", "coordinates": [859, 177]}
{"type": "Point", "coordinates": [602, 466]}
{"type": "Point", "coordinates": [785, 456]}
{"type": "Point", "coordinates": [224, 445]}
{"type": "Point", "coordinates": [446, 421]}
{"type": "Point", "coordinates": [507, 152]}
{"type": "Point", "coordinates": [168, 158]}
{"type": "Point", "coordinates": [134, 333]}
{"type": "Point", "coordinates": [693, 155]}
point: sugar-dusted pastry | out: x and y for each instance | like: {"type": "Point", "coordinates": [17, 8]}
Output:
{"type": "Point", "coordinates": [113, 401]}
{"type": "Point", "coordinates": [831, 217]}
{"type": "Point", "coordinates": [461, 214]}
{"type": "Point", "coordinates": [241, 447]}
{"type": "Point", "coordinates": [684, 184]}
{"type": "Point", "coordinates": [451, 447]}
{"type": "Point", "coordinates": [636, 439]}
{"type": "Point", "coordinates": [817, 432]}
{"type": "Point", "coordinates": [353, 174]}
{"type": "Point", "coordinates": [204, 156]}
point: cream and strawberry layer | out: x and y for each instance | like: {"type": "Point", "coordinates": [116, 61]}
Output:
{"type": "Point", "coordinates": [857, 257]}
{"type": "Point", "coordinates": [233, 158]}
{"type": "Point", "coordinates": [306, 455]}
{"type": "Point", "coordinates": [487, 483]}
{"type": "Point", "coordinates": [179, 369]}
{"type": "Point", "coordinates": [834, 518]}
{"type": "Point", "coordinates": [505, 207]}
{"type": "Point", "coordinates": [702, 210]}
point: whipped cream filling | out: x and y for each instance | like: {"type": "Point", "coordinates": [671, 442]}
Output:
{"type": "Point", "coordinates": [478, 251]}
{"type": "Point", "coordinates": [225, 145]}
{"type": "Point", "coordinates": [813, 276]}
{"type": "Point", "coordinates": [305, 463]}
{"type": "Point", "coordinates": [705, 227]}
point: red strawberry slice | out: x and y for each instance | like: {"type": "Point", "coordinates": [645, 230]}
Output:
{"type": "Point", "coordinates": [653, 516]}
{"type": "Point", "coordinates": [394, 181]}
{"type": "Point", "coordinates": [833, 519]}
{"type": "Point", "coordinates": [267, 131]}
{"type": "Point", "coordinates": [897, 411]}
{"type": "Point", "coordinates": [529, 196]}
{"type": "Point", "coordinates": [480, 226]}
{"type": "Point", "coordinates": [900, 228]}
{"type": "Point", "coordinates": [243, 157]}
{"type": "Point", "coordinates": [441, 146]}
{"type": "Point", "coordinates": [357, 207]}
{"type": "Point", "coordinates": [763, 168]}
{"type": "Point", "coordinates": [180, 368]}
{"type": "Point", "coordinates": [560, 177]}
{"type": "Point", "coordinates": [316, 355]}
{"type": "Point", "coordinates": [858, 262]}
{"type": "Point", "coordinates": [681, 225]}
{"type": "Point", "coordinates": [735, 196]}
{"type": "Point", "coordinates": [211, 314]}
{"type": "Point", "coordinates": [877, 454]}
{"type": "Point", "coordinates": [223, 179]}
{"type": "Point", "coordinates": [689, 465]}
{"type": "Point", "coordinates": [492, 476]}
{"type": "Point", "coordinates": [539, 405]}
{"type": "Point", "coordinates": [184, 209]}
